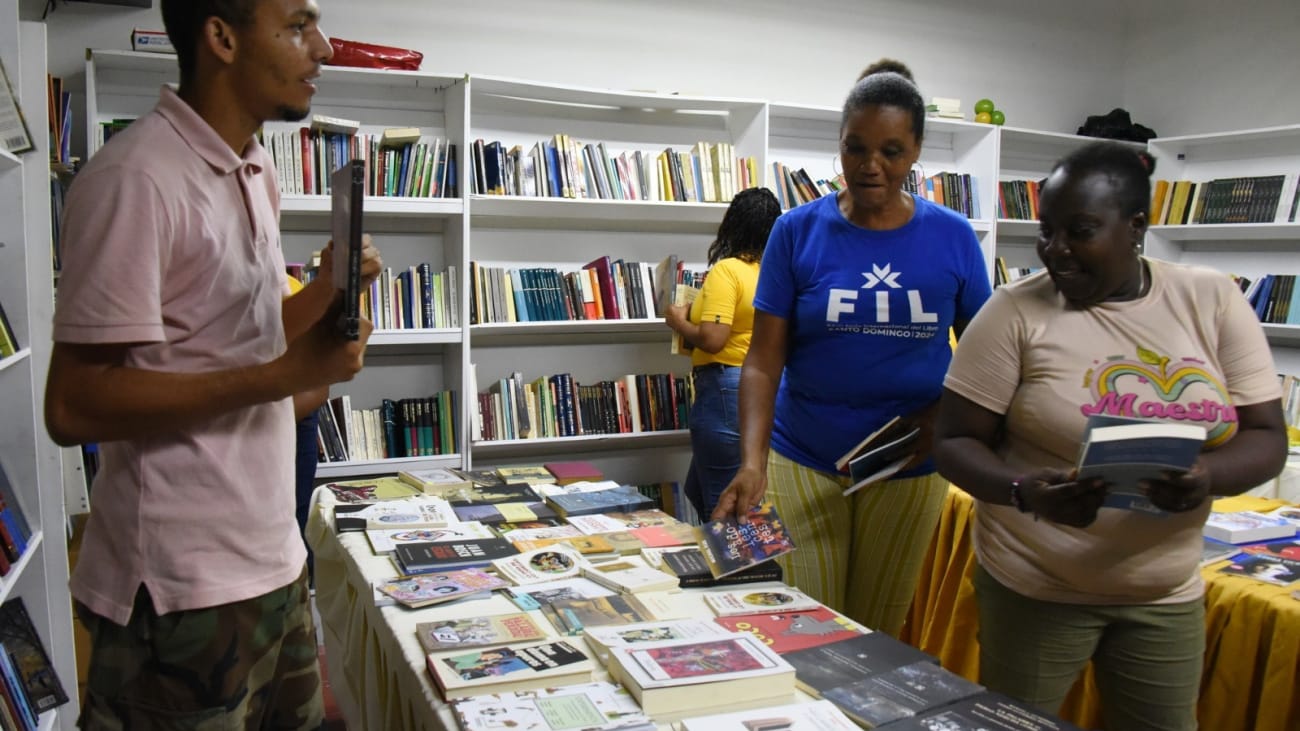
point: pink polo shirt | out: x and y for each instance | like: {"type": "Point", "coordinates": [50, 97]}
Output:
{"type": "Point", "coordinates": [171, 243]}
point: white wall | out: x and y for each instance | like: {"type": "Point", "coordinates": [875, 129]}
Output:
{"type": "Point", "coordinates": [1047, 64]}
{"type": "Point", "coordinates": [1213, 66]}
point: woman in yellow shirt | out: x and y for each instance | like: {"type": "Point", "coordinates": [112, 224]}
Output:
{"type": "Point", "coordinates": [719, 325]}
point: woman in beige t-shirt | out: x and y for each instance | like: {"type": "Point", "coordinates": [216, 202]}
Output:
{"type": "Point", "coordinates": [1063, 577]}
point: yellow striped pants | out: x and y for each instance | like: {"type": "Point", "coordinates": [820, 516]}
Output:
{"type": "Point", "coordinates": [860, 555]}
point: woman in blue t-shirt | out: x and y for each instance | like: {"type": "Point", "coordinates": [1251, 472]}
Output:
{"type": "Point", "coordinates": [856, 296]}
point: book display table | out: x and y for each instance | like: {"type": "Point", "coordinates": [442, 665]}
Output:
{"type": "Point", "coordinates": [1252, 659]}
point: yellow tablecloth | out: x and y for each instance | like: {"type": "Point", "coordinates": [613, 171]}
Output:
{"type": "Point", "coordinates": [1252, 658]}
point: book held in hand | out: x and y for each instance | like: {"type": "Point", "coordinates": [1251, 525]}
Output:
{"type": "Point", "coordinates": [509, 668]}
{"type": "Point", "coordinates": [347, 192]}
{"type": "Point", "coordinates": [881, 455]}
{"type": "Point", "coordinates": [596, 706]}
{"type": "Point", "coordinates": [730, 546]}
{"type": "Point", "coordinates": [1125, 451]}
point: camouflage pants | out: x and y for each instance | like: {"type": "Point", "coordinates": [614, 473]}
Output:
{"type": "Point", "coordinates": [247, 665]}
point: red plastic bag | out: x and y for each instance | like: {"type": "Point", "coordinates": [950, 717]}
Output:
{"type": "Point", "coordinates": [371, 56]}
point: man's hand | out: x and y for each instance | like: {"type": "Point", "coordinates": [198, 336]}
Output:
{"type": "Point", "coordinates": [371, 262]}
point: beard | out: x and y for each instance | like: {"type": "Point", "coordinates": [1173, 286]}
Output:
{"type": "Point", "coordinates": [292, 114]}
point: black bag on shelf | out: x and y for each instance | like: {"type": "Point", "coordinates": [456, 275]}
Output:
{"type": "Point", "coordinates": [1117, 125]}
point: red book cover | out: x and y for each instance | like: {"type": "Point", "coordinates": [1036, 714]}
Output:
{"type": "Point", "coordinates": [604, 269]}
{"type": "Point", "coordinates": [793, 631]}
{"type": "Point", "coordinates": [567, 473]}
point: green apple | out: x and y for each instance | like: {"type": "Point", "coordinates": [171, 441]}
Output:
{"type": "Point", "coordinates": [997, 117]}
{"type": "Point", "coordinates": [984, 105]}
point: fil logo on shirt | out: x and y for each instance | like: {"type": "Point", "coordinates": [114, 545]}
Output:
{"type": "Point", "coordinates": [883, 285]}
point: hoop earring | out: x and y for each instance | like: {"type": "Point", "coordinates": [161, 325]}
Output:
{"type": "Point", "coordinates": [835, 166]}
{"type": "Point", "coordinates": [918, 164]}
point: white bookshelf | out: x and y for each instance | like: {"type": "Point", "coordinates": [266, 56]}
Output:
{"type": "Point", "coordinates": [32, 462]}
{"type": "Point", "coordinates": [1247, 249]}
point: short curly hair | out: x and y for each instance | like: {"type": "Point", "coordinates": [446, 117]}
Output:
{"type": "Point", "coordinates": [184, 19]}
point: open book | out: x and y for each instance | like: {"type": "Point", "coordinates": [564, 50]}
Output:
{"type": "Point", "coordinates": [880, 455]}
{"type": "Point", "coordinates": [1123, 451]}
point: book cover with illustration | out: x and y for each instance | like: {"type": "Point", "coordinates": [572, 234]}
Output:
{"type": "Point", "coordinates": [987, 711]}
{"type": "Point", "coordinates": [422, 558]}
{"type": "Point", "coordinates": [730, 546]}
{"type": "Point", "coordinates": [1246, 527]}
{"type": "Point", "coordinates": [792, 631]}
{"type": "Point", "coordinates": [621, 499]}
{"type": "Point", "coordinates": [419, 511]}
{"type": "Point", "coordinates": [1265, 567]}
{"type": "Point", "coordinates": [368, 491]}
{"type": "Point", "coordinates": [598, 706]}
{"type": "Point", "coordinates": [429, 589]}
{"type": "Point", "coordinates": [551, 563]}
{"type": "Point", "coordinates": [510, 668]}
{"type": "Point", "coordinates": [685, 662]}
{"type": "Point", "coordinates": [457, 634]}
{"type": "Point", "coordinates": [693, 571]}
{"type": "Point", "coordinates": [31, 661]}
{"type": "Point", "coordinates": [837, 664]}
{"type": "Point", "coordinates": [386, 540]}
{"type": "Point", "coordinates": [573, 616]}
{"type": "Point", "coordinates": [759, 600]}
{"type": "Point", "coordinates": [536, 596]}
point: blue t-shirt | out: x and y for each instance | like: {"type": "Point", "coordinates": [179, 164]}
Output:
{"type": "Point", "coordinates": [868, 315]}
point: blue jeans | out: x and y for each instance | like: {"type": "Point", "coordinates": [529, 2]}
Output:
{"type": "Point", "coordinates": [715, 436]}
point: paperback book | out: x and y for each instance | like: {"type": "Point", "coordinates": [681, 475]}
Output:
{"type": "Point", "coordinates": [567, 473]}
{"type": "Point", "coordinates": [1264, 567]}
{"type": "Point", "coordinates": [543, 564]}
{"type": "Point", "coordinates": [619, 499]}
{"type": "Point", "coordinates": [509, 668]}
{"type": "Point", "coordinates": [1125, 451]}
{"type": "Point", "coordinates": [573, 616]}
{"type": "Point", "coordinates": [837, 664]}
{"type": "Point", "coordinates": [682, 676]}
{"type": "Point", "coordinates": [758, 600]}
{"type": "Point", "coordinates": [459, 634]}
{"type": "Point", "coordinates": [602, 639]}
{"type": "Point", "coordinates": [900, 693]}
{"type": "Point", "coordinates": [423, 558]}
{"type": "Point", "coordinates": [693, 571]}
{"type": "Point", "coordinates": [793, 631]}
{"type": "Point", "coordinates": [439, 481]}
{"type": "Point", "coordinates": [591, 547]}
{"type": "Point", "coordinates": [596, 706]}
{"type": "Point", "coordinates": [528, 474]}
{"type": "Point", "coordinates": [629, 575]}
{"type": "Point", "coordinates": [987, 711]}
{"type": "Point", "coordinates": [368, 491]}
{"type": "Point", "coordinates": [730, 546]}
{"type": "Point", "coordinates": [420, 511]}
{"type": "Point", "coordinates": [515, 535]}
{"type": "Point", "coordinates": [30, 660]}
{"type": "Point", "coordinates": [386, 540]}
{"type": "Point", "coordinates": [535, 596]}
{"type": "Point", "coordinates": [1246, 527]}
{"type": "Point", "coordinates": [880, 455]}
{"type": "Point", "coordinates": [439, 588]}
{"type": "Point", "coordinates": [814, 716]}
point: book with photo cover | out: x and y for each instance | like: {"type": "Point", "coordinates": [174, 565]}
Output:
{"type": "Point", "coordinates": [900, 693]}
{"type": "Point", "coordinates": [509, 668]}
{"type": "Point", "coordinates": [429, 589]}
{"type": "Point", "coordinates": [1124, 451]}
{"type": "Point", "coordinates": [598, 706]}
{"type": "Point", "coordinates": [814, 716]}
{"type": "Point", "coordinates": [880, 455]}
{"type": "Point", "coordinates": [793, 631]}
{"type": "Point", "coordinates": [479, 631]}
{"type": "Point", "coordinates": [31, 661]}
{"type": "Point", "coordinates": [1264, 567]}
{"type": "Point", "coordinates": [837, 664]}
{"type": "Point", "coordinates": [693, 571]}
{"type": "Point", "coordinates": [730, 546]}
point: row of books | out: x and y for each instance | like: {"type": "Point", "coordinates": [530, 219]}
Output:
{"type": "Point", "coordinates": [8, 339]}
{"type": "Point", "coordinates": [1260, 546]}
{"type": "Point", "coordinates": [958, 191]}
{"type": "Point", "coordinates": [1256, 199]}
{"type": "Point", "coordinates": [559, 406]}
{"type": "Point", "coordinates": [562, 167]}
{"type": "Point", "coordinates": [796, 187]}
{"type": "Point", "coordinates": [59, 114]}
{"type": "Point", "coordinates": [603, 289]}
{"type": "Point", "coordinates": [399, 161]}
{"type": "Point", "coordinates": [408, 427]}
{"type": "Point", "coordinates": [1018, 199]}
{"type": "Point", "coordinates": [29, 685]}
{"type": "Point", "coordinates": [417, 297]}
{"type": "Point", "coordinates": [1005, 274]}
{"type": "Point", "coordinates": [1274, 297]}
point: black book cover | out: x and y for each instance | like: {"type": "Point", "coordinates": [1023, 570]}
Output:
{"type": "Point", "coordinates": [987, 711]}
{"type": "Point", "coordinates": [30, 659]}
{"type": "Point", "coordinates": [417, 558]}
{"type": "Point", "coordinates": [818, 669]}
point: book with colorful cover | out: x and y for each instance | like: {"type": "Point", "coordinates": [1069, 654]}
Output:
{"type": "Point", "coordinates": [730, 546]}
{"type": "Point", "coordinates": [1246, 527]}
{"type": "Point", "coordinates": [535, 596]}
{"type": "Point", "coordinates": [366, 491]}
{"type": "Point", "coordinates": [418, 511]}
{"type": "Point", "coordinates": [679, 677]}
{"type": "Point", "coordinates": [619, 499]}
{"type": "Point", "coordinates": [793, 631]}
{"type": "Point", "coordinates": [589, 546]}
{"type": "Point", "coordinates": [31, 661]}
{"type": "Point", "coordinates": [479, 631]}
{"type": "Point", "coordinates": [509, 668]}
{"type": "Point", "coordinates": [573, 616]}
{"type": "Point", "coordinates": [567, 473]}
{"type": "Point", "coordinates": [386, 540]}
{"type": "Point", "coordinates": [688, 564]}
{"type": "Point", "coordinates": [759, 600]}
{"type": "Point", "coordinates": [900, 693]}
{"type": "Point", "coordinates": [598, 706]}
{"type": "Point", "coordinates": [814, 716]}
{"type": "Point", "coordinates": [429, 589]}
{"type": "Point", "coordinates": [551, 563]}
{"type": "Point", "coordinates": [1270, 569]}
{"type": "Point", "coordinates": [529, 474]}
{"type": "Point", "coordinates": [423, 558]}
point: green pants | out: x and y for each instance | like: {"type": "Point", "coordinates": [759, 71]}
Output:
{"type": "Point", "coordinates": [1147, 657]}
{"type": "Point", "coordinates": [862, 554]}
{"type": "Point", "coordinates": [246, 665]}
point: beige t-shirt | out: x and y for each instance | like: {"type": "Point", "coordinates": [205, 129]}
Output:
{"type": "Point", "coordinates": [1187, 351]}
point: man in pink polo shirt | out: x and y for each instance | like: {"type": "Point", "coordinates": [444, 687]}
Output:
{"type": "Point", "coordinates": [172, 349]}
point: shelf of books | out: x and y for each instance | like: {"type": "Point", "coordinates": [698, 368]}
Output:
{"type": "Point", "coordinates": [498, 449]}
{"type": "Point", "coordinates": [36, 652]}
{"type": "Point", "coordinates": [1229, 201]}
{"type": "Point", "coordinates": [356, 468]}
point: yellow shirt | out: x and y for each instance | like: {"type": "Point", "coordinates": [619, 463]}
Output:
{"type": "Point", "coordinates": [727, 298]}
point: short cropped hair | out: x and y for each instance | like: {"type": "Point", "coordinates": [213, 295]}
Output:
{"type": "Point", "coordinates": [887, 82]}
{"type": "Point", "coordinates": [1128, 169]}
{"type": "Point", "coordinates": [184, 19]}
